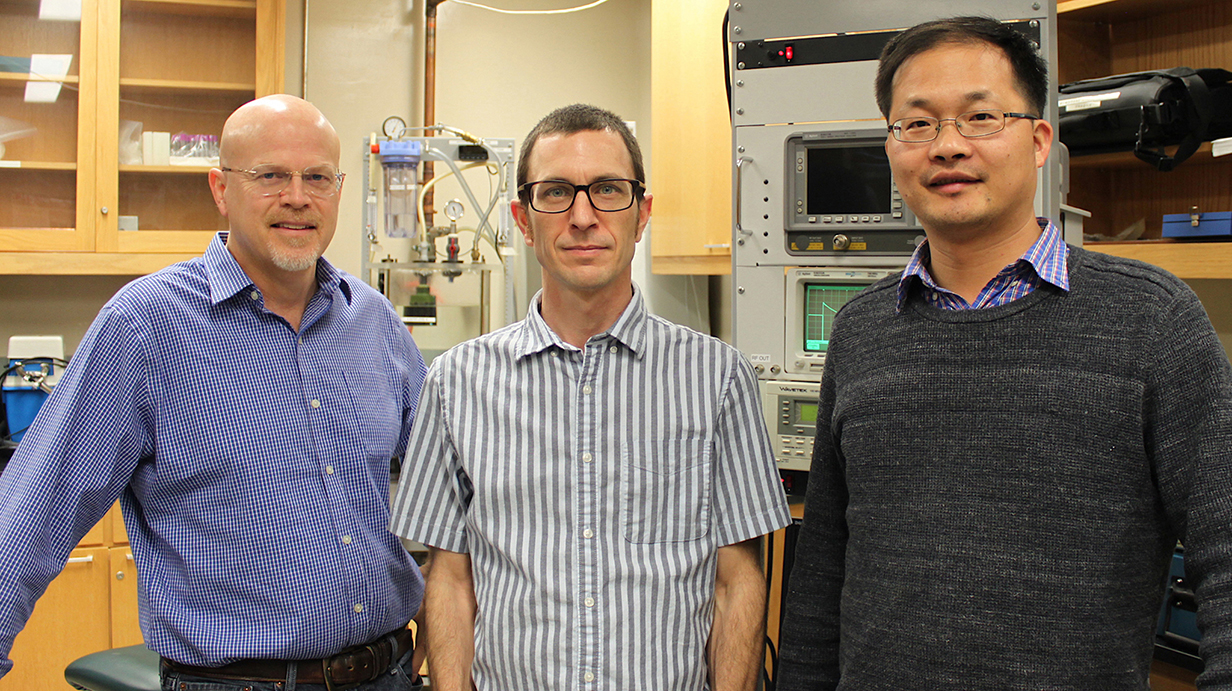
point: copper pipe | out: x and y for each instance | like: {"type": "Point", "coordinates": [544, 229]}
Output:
{"type": "Point", "coordinates": [429, 118]}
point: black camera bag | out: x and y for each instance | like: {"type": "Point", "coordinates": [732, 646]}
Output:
{"type": "Point", "coordinates": [1146, 111]}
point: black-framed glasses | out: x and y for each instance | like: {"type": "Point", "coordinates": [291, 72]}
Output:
{"type": "Point", "coordinates": [557, 196]}
{"type": "Point", "coordinates": [977, 123]}
{"type": "Point", "coordinates": [269, 181]}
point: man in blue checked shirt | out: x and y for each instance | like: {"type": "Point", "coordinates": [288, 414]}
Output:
{"type": "Point", "coordinates": [243, 407]}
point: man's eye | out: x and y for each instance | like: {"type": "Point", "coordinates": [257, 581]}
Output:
{"type": "Point", "coordinates": [270, 175]}
{"type": "Point", "coordinates": [917, 124]}
{"type": "Point", "coordinates": [981, 117]}
{"type": "Point", "coordinates": [316, 177]}
{"type": "Point", "coordinates": [606, 189]}
{"type": "Point", "coordinates": [554, 192]}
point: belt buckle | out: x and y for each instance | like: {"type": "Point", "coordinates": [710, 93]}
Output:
{"type": "Point", "coordinates": [327, 671]}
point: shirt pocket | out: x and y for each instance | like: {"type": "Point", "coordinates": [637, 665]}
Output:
{"type": "Point", "coordinates": [377, 412]}
{"type": "Point", "coordinates": [665, 490]}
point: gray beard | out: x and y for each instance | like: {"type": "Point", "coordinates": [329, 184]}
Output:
{"type": "Point", "coordinates": [294, 262]}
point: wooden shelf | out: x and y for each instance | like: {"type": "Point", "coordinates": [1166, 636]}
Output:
{"type": "Point", "coordinates": [37, 165]}
{"type": "Point", "coordinates": [1184, 259]}
{"type": "Point", "coordinates": [183, 170]}
{"type": "Point", "coordinates": [1108, 11]}
{"type": "Point", "coordinates": [196, 8]}
{"type": "Point", "coordinates": [1127, 159]}
{"type": "Point", "coordinates": [20, 78]}
{"type": "Point", "coordinates": [87, 263]}
{"type": "Point", "coordinates": [136, 85]}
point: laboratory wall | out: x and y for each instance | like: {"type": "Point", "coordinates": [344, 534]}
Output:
{"type": "Point", "coordinates": [496, 76]}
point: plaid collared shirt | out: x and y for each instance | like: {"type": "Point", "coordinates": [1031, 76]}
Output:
{"type": "Point", "coordinates": [1045, 261]}
{"type": "Point", "coordinates": [251, 462]}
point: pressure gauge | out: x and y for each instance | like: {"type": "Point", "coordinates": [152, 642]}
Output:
{"type": "Point", "coordinates": [393, 126]}
{"type": "Point", "coordinates": [454, 210]}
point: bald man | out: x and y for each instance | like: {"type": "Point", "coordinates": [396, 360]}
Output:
{"type": "Point", "coordinates": [243, 407]}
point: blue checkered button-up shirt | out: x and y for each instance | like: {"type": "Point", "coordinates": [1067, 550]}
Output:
{"type": "Point", "coordinates": [251, 463]}
{"type": "Point", "coordinates": [1045, 261]}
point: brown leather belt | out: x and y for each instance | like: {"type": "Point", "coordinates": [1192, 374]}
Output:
{"type": "Point", "coordinates": [347, 669]}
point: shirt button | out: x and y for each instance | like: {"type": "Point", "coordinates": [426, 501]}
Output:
{"type": "Point", "coordinates": [586, 389]}
{"type": "Point", "coordinates": [358, 608]}
{"type": "Point", "coordinates": [316, 403]}
{"type": "Point", "coordinates": [612, 349]}
{"type": "Point", "coordinates": [254, 295]}
{"type": "Point", "coordinates": [589, 676]}
{"type": "Point", "coordinates": [553, 353]}
{"type": "Point", "coordinates": [329, 470]}
{"type": "Point", "coordinates": [588, 533]}
{"type": "Point", "coordinates": [346, 539]}
{"type": "Point", "coordinates": [587, 458]}
{"type": "Point", "coordinates": [590, 602]}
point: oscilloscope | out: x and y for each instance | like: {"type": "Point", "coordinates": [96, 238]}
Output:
{"type": "Point", "coordinates": [812, 297]}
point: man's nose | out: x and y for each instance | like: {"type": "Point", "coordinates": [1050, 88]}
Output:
{"type": "Point", "coordinates": [950, 143]}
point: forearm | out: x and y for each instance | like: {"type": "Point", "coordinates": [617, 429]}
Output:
{"type": "Point", "coordinates": [449, 617]}
{"type": "Point", "coordinates": [737, 634]}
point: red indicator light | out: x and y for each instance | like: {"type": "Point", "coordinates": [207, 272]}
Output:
{"type": "Point", "coordinates": [788, 52]}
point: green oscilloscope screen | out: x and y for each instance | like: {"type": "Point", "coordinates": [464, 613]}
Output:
{"type": "Point", "coordinates": [821, 303]}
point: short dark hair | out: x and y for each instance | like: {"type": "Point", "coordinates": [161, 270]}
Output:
{"type": "Point", "coordinates": [1030, 68]}
{"type": "Point", "coordinates": [580, 117]}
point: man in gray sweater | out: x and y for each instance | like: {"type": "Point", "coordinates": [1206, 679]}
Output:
{"type": "Point", "coordinates": [1014, 433]}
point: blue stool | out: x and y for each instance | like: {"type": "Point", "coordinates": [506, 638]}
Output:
{"type": "Point", "coordinates": [134, 668]}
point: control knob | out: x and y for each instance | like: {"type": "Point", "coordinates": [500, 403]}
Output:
{"type": "Point", "coordinates": [841, 242]}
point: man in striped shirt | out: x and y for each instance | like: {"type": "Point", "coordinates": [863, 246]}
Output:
{"type": "Point", "coordinates": [592, 481]}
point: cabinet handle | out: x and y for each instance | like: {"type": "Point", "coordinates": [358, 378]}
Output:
{"type": "Point", "coordinates": [722, 246]}
{"type": "Point", "coordinates": [80, 560]}
{"type": "Point", "coordinates": [739, 180]}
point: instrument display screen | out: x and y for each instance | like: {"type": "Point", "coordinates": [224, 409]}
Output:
{"type": "Point", "coordinates": [821, 303]}
{"type": "Point", "coordinates": [848, 180]}
{"type": "Point", "coordinates": [806, 413]}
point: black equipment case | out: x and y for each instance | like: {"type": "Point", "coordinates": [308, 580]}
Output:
{"type": "Point", "coordinates": [1145, 111]}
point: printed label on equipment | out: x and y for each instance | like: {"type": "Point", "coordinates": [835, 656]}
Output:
{"type": "Point", "coordinates": [1086, 102]}
{"type": "Point", "coordinates": [759, 358]}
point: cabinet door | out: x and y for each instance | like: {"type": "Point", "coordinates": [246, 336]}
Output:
{"type": "Point", "coordinates": [178, 67]}
{"type": "Point", "coordinates": [47, 104]}
{"type": "Point", "coordinates": [691, 150]}
{"type": "Point", "coordinates": [125, 624]}
{"type": "Point", "coordinates": [73, 618]}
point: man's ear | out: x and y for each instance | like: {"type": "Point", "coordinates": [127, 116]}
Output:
{"type": "Point", "coordinates": [521, 216]}
{"type": "Point", "coordinates": [218, 187]}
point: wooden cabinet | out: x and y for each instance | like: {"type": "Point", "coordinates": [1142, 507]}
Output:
{"type": "Point", "coordinates": [1103, 37]}
{"type": "Point", "coordinates": [170, 65]}
{"type": "Point", "coordinates": [691, 147]}
{"type": "Point", "coordinates": [90, 606]}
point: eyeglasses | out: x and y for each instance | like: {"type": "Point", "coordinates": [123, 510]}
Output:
{"type": "Point", "coordinates": [557, 197]}
{"type": "Point", "coordinates": [977, 123]}
{"type": "Point", "coordinates": [320, 181]}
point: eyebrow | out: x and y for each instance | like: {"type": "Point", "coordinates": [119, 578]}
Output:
{"type": "Point", "coordinates": [597, 178]}
{"type": "Point", "coordinates": [971, 97]}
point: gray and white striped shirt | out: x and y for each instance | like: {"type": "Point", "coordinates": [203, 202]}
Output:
{"type": "Point", "coordinates": [591, 488]}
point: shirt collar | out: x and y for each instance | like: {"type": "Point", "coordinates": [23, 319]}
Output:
{"type": "Point", "coordinates": [226, 278]}
{"type": "Point", "coordinates": [1047, 256]}
{"type": "Point", "coordinates": [629, 328]}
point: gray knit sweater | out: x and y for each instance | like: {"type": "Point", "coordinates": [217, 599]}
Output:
{"type": "Point", "coordinates": [995, 493]}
